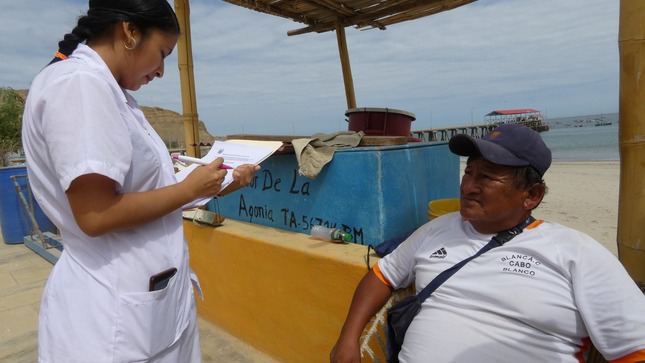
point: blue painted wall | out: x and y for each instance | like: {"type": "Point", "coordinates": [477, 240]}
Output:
{"type": "Point", "coordinates": [374, 193]}
{"type": "Point", "coordinates": [14, 221]}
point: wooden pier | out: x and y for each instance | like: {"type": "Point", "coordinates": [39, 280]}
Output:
{"type": "Point", "coordinates": [444, 134]}
{"type": "Point", "coordinates": [476, 131]}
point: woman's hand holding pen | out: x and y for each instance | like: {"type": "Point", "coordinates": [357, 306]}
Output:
{"type": "Point", "coordinates": [242, 176]}
{"type": "Point", "coordinates": [206, 180]}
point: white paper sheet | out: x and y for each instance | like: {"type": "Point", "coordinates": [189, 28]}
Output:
{"type": "Point", "coordinates": [234, 153]}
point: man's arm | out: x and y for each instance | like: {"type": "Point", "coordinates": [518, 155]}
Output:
{"type": "Point", "coordinates": [370, 296]}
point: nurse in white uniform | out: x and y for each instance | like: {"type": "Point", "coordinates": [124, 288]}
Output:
{"type": "Point", "coordinates": [105, 178]}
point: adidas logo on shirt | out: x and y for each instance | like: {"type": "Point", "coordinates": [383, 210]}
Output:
{"type": "Point", "coordinates": [440, 253]}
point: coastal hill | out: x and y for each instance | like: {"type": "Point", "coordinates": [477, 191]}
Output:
{"type": "Point", "coordinates": [168, 124]}
{"type": "Point", "coordinates": [170, 127]}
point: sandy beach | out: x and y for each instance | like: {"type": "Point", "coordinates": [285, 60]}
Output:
{"type": "Point", "coordinates": [584, 196]}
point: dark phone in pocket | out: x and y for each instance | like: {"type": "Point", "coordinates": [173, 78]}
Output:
{"type": "Point", "coordinates": [160, 281]}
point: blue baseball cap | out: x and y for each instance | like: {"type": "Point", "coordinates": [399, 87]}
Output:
{"type": "Point", "coordinates": [508, 144]}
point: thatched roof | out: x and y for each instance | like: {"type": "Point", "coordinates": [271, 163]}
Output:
{"type": "Point", "coordinates": [323, 15]}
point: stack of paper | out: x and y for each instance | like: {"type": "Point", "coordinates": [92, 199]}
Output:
{"type": "Point", "coordinates": [234, 153]}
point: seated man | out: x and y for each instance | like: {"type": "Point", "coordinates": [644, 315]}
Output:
{"type": "Point", "coordinates": [542, 297]}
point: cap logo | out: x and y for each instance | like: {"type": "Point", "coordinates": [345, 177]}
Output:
{"type": "Point", "coordinates": [494, 134]}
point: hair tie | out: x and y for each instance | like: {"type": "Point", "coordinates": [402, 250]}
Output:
{"type": "Point", "coordinates": [60, 56]}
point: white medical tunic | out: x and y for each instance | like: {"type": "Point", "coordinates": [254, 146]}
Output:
{"type": "Point", "coordinates": [96, 306]}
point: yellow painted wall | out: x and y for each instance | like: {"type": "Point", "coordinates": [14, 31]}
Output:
{"type": "Point", "coordinates": [282, 292]}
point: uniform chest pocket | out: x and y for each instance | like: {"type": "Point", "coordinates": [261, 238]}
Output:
{"type": "Point", "coordinates": [145, 167]}
{"type": "Point", "coordinates": [147, 323]}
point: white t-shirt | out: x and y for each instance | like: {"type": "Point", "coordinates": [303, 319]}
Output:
{"type": "Point", "coordinates": [96, 306]}
{"type": "Point", "coordinates": [538, 298]}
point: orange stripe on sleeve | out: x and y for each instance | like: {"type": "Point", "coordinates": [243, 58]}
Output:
{"type": "Point", "coordinates": [379, 274]}
{"type": "Point", "coordinates": [536, 223]}
{"type": "Point", "coordinates": [635, 357]}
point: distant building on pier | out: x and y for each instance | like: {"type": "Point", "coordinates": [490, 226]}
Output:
{"type": "Point", "coordinates": [525, 116]}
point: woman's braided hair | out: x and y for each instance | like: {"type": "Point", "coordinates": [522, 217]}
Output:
{"type": "Point", "coordinates": [102, 14]}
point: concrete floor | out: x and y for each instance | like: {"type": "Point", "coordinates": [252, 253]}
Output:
{"type": "Point", "coordinates": [23, 274]}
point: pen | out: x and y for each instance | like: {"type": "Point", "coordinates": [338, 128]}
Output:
{"type": "Point", "coordinates": [189, 159]}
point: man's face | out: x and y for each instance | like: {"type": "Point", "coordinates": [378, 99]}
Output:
{"type": "Point", "coordinates": [489, 198]}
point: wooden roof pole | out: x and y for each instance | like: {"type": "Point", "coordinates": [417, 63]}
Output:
{"type": "Point", "coordinates": [344, 62]}
{"type": "Point", "coordinates": [187, 78]}
{"type": "Point", "coordinates": [631, 206]}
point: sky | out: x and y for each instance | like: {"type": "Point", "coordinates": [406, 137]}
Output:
{"type": "Point", "coordinates": [448, 69]}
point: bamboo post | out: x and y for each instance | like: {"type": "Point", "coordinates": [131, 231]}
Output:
{"type": "Point", "coordinates": [187, 78]}
{"type": "Point", "coordinates": [631, 206]}
{"type": "Point", "coordinates": [344, 62]}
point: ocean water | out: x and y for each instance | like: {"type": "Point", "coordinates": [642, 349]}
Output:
{"type": "Point", "coordinates": [578, 139]}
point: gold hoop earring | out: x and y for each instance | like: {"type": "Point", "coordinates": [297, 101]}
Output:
{"type": "Point", "coordinates": [125, 43]}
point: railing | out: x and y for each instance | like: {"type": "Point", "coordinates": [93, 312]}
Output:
{"type": "Point", "coordinates": [444, 134]}
{"type": "Point", "coordinates": [476, 131]}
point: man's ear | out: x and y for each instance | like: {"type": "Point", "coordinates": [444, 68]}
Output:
{"type": "Point", "coordinates": [534, 196]}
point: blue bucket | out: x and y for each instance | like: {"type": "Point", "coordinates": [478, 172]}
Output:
{"type": "Point", "coordinates": [14, 220]}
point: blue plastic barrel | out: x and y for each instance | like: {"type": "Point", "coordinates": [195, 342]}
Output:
{"type": "Point", "coordinates": [14, 221]}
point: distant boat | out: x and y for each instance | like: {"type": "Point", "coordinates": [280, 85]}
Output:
{"type": "Point", "coordinates": [601, 122]}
